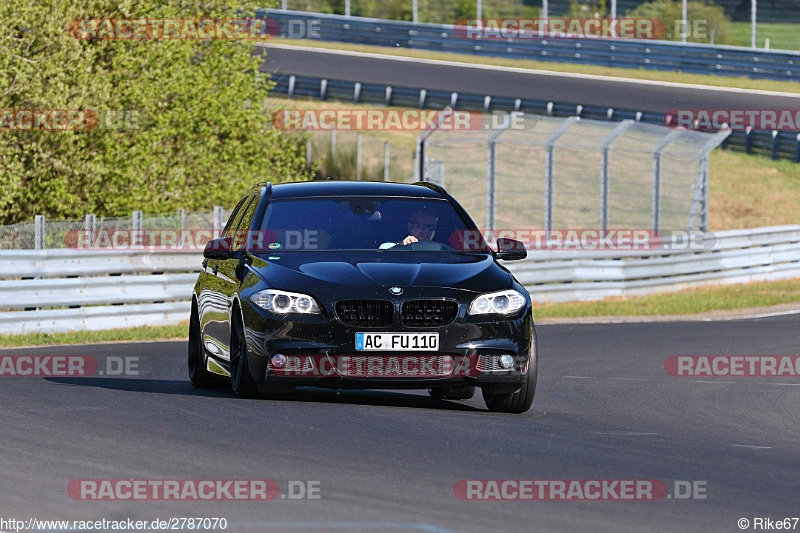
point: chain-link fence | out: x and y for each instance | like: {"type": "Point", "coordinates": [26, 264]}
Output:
{"type": "Point", "coordinates": [352, 155]}
{"type": "Point", "coordinates": [540, 172]}
{"type": "Point", "coordinates": [715, 22]}
{"type": "Point", "coordinates": [106, 232]}
{"type": "Point", "coordinates": [560, 173]}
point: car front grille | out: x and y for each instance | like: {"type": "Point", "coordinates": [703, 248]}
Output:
{"type": "Point", "coordinates": [428, 313]}
{"type": "Point", "coordinates": [365, 313]}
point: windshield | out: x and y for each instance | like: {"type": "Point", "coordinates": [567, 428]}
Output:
{"type": "Point", "coordinates": [366, 223]}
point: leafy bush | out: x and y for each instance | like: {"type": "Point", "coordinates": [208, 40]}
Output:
{"type": "Point", "coordinates": [201, 138]}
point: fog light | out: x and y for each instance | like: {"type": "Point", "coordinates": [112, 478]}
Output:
{"type": "Point", "coordinates": [506, 361]}
{"type": "Point", "coordinates": [278, 360]}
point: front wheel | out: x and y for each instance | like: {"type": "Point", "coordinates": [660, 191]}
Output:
{"type": "Point", "coordinates": [520, 401]}
{"type": "Point", "coordinates": [242, 381]}
{"type": "Point", "coordinates": [514, 402]}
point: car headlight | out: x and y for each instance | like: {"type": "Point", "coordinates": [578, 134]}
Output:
{"type": "Point", "coordinates": [500, 303]}
{"type": "Point", "coordinates": [282, 302]}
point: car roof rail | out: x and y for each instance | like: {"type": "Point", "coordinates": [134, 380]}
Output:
{"type": "Point", "coordinates": [435, 186]}
{"type": "Point", "coordinates": [264, 184]}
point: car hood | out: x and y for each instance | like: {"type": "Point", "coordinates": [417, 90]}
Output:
{"type": "Point", "coordinates": [304, 271]}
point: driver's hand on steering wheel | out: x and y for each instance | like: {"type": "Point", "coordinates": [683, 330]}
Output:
{"type": "Point", "coordinates": [409, 240]}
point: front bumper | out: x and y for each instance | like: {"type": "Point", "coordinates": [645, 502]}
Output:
{"type": "Point", "coordinates": [466, 341]}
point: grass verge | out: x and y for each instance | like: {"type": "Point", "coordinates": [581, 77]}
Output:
{"type": "Point", "coordinates": [630, 73]}
{"type": "Point", "coordinates": [692, 301]}
{"type": "Point", "coordinates": [144, 333]}
{"type": "Point", "coordinates": [781, 36]}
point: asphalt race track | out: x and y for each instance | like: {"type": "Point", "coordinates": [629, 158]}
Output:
{"type": "Point", "coordinates": [657, 98]}
{"type": "Point", "coordinates": [605, 409]}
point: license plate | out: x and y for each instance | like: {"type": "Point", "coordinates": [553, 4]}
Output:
{"type": "Point", "coordinates": [409, 342]}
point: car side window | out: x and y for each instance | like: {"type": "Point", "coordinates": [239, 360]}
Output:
{"type": "Point", "coordinates": [230, 226]}
{"type": "Point", "coordinates": [245, 222]}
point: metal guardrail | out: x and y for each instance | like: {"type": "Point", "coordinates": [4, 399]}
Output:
{"type": "Point", "coordinates": [776, 144]}
{"type": "Point", "coordinates": [651, 55]}
{"type": "Point", "coordinates": [105, 292]}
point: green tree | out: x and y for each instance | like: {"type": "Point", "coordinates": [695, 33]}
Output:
{"type": "Point", "coordinates": [202, 134]}
{"type": "Point", "coordinates": [701, 16]}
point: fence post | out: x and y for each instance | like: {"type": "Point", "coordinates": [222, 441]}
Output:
{"type": "Point", "coordinates": [38, 228]}
{"type": "Point", "coordinates": [657, 151]}
{"type": "Point", "coordinates": [604, 174]}
{"type": "Point", "coordinates": [136, 234]}
{"type": "Point", "coordinates": [219, 224]}
{"type": "Point", "coordinates": [491, 176]}
{"type": "Point", "coordinates": [182, 216]}
{"type": "Point", "coordinates": [419, 161]}
{"type": "Point", "coordinates": [358, 156]}
{"type": "Point", "coordinates": [308, 152]}
{"type": "Point", "coordinates": [333, 145]}
{"type": "Point", "coordinates": [548, 172]}
{"type": "Point", "coordinates": [89, 227]}
{"type": "Point", "coordinates": [386, 161]}
{"type": "Point", "coordinates": [748, 140]}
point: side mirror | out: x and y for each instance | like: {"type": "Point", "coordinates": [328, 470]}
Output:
{"type": "Point", "coordinates": [219, 248]}
{"type": "Point", "coordinates": [509, 249]}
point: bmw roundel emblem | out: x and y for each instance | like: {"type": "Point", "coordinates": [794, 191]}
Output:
{"type": "Point", "coordinates": [396, 290]}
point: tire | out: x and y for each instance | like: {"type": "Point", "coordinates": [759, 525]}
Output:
{"type": "Point", "coordinates": [242, 381]}
{"type": "Point", "coordinates": [520, 401]}
{"type": "Point", "coordinates": [452, 392]}
{"type": "Point", "coordinates": [200, 377]}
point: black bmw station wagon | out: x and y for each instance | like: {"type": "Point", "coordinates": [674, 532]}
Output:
{"type": "Point", "coordinates": [361, 285]}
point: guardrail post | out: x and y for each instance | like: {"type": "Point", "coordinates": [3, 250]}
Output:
{"type": "Point", "coordinates": [422, 94]}
{"type": "Point", "coordinates": [797, 152]}
{"type": "Point", "coordinates": [604, 174]}
{"type": "Point", "coordinates": [356, 93]}
{"type": "Point", "coordinates": [386, 161]}
{"type": "Point", "coordinates": [775, 144]}
{"type": "Point", "coordinates": [548, 172]}
{"type": "Point", "coordinates": [323, 89]}
{"type": "Point", "coordinates": [453, 99]}
{"type": "Point", "coordinates": [389, 95]}
{"type": "Point", "coordinates": [292, 80]}
{"type": "Point", "coordinates": [89, 228]}
{"type": "Point", "coordinates": [358, 156]}
{"type": "Point", "coordinates": [333, 145]}
{"type": "Point", "coordinates": [308, 152]}
{"type": "Point", "coordinates": [748, 140]}
{"type": "Point", "coordinates": [219, 223]}
{"type": "Point", "coordinates": [38, 235]}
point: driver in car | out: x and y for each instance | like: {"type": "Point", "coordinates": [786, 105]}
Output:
{"type": "Point", "coordinates": [421, 227]}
